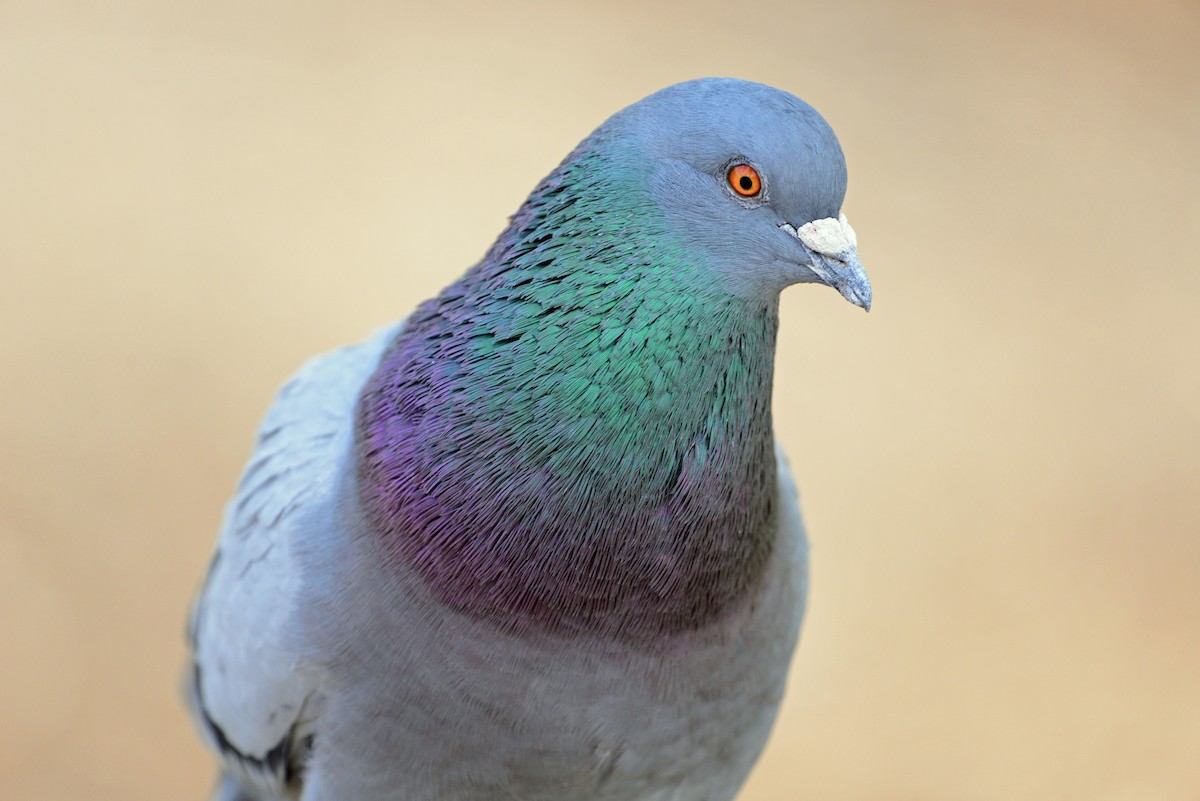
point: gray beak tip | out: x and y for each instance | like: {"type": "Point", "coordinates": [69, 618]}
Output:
{"type": "Point", "coordinates": [845, 274]}
{"type": "Point", "coordinates": [862, 299]}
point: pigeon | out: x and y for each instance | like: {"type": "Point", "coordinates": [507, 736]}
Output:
{"type": "Point", "coordinates": [537, 541]}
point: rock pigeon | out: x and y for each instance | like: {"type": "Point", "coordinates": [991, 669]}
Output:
{"type": "Point", "coordinates": [537, 540]}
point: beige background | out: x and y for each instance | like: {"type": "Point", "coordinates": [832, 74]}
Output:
{"type": "Point", "coordinates": [999, 463]}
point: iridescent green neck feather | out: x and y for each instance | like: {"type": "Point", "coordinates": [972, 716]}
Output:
{"type": "Point", "coordinates": [576, 436]}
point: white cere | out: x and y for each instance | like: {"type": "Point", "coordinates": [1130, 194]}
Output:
{"type": "Point", "coordinates": [827, 236]}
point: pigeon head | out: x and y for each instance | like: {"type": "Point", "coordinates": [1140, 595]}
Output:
{"type": "Point", "coordinates": [750, 178]}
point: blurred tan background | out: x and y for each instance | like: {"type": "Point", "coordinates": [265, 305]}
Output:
{"type": "Point", "coordinates": [999, 463]}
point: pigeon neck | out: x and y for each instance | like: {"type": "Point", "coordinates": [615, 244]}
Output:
{"type": "Point", "coordinates": [576, 437]}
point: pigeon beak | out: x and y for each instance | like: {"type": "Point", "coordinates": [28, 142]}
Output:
{"type": "Point", "coordinates": [845, 274]}
{"type": "Point", "coordinates": [833, 257]}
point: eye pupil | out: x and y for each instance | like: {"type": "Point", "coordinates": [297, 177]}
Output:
{"type": "Point", "coordinates": [745, 183]}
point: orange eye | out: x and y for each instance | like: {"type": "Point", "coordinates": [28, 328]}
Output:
{"type": "Point", "coordinates": [744, 180]}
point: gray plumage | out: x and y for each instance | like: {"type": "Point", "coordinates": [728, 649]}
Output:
{"type": "Point", "coordinates": [336, 659]}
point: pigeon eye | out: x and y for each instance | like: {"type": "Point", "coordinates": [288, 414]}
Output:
{"type": "Point", "coordinates": [744, 180]}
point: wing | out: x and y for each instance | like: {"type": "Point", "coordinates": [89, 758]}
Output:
{"type": "Point", "coordinates": [253, 695]}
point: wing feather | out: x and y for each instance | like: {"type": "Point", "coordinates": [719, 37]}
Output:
{"type": "Point", "coordinates": [253, 695]}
